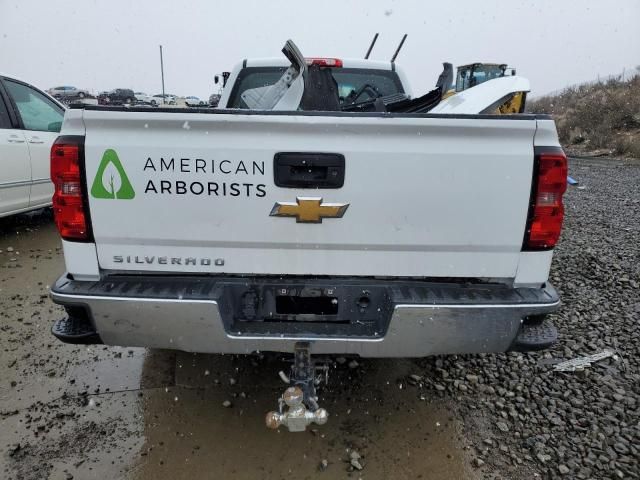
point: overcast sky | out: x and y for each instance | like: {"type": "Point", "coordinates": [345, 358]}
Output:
{"type": "Point", "coordinates": [101, 45]}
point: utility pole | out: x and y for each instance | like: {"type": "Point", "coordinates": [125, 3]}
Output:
{"type": "Point", "coordinates": [162, 74]}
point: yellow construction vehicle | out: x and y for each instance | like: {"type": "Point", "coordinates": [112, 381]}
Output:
{"type": "Point", "coordinates": [468, 76]}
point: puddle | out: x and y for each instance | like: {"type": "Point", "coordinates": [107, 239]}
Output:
{"type": "Point", "coordinates": [189, 434]}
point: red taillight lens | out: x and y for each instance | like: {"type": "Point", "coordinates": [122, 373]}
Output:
{"type": "Point", "coordinates": [68, 201]}
{"type": "Point", "coordinates": [547, 212]}
{"type": "Point", "coordinates": [324, 62]}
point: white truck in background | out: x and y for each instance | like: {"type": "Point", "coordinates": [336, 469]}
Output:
{"type": "Point", "coordinates": [371, 233]}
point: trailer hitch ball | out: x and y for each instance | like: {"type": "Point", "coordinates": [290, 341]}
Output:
{"type": "Point", "coordinates": [296, 418]}
{"type": "Point", "coordinates": [273, 420]}
{"type": "Point", "coordinates": [293, 396]}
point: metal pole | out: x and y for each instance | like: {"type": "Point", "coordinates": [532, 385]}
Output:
{"type": "Point", "coordinates": [162, 74]}
{"type": "Point", "coordinates": [399, 47]}
{"type": "Point", "coordinates": [373, 42]}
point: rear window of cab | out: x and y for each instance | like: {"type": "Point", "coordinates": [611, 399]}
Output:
{"type": "Point", "coordinates": [349, 80]}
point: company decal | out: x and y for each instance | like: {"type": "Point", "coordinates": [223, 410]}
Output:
{"type": "Point", "coordinates": [111, 181]}
{"type": "Point", "coordinates": [203, 177]}
{"type": "Point", "coordinates": [179, 177]}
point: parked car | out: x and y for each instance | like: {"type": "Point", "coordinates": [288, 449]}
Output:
{"type": "Point", "coordinates": [68, 92]}
{"type": "Point", "coordinates": [193, 101]}
{"type": "Point", "coordinates": [117, 96]}
{"type": "Point", "coordinates": [142, 97]}
{"type": "Point", "coordinates": [214, 99]}
{"type": "Point", "coordinates": [29, 123]}
{"type": "Point", "coordinates": [166, 99]}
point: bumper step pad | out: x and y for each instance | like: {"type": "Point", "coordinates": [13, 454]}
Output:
{"type": "Point", "coordinates": [75, 330]}
{"type": "Point", "coordinates": [535, 336]}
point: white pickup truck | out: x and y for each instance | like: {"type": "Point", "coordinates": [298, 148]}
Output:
{"type": "Point", "coordinates": [374, 234]}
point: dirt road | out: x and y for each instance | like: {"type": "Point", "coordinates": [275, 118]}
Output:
{"type": "Point", "coordinates": [106, 412]}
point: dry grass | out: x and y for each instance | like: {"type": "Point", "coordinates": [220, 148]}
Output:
{"type": "Point", "coordinates": [603, 116]}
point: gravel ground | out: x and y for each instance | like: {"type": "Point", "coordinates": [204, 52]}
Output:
{"type": "Point", "coordinates": [525, 420]}
{"type": "Point", "coordinates": [109, 412]}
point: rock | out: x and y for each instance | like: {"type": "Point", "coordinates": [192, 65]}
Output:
{"type": "Point", "coordinates": [9, 249]}
{"type": "Point", "coordinates": [563, 469]}
{"type": "Point", "coordinates": [353, 455]}
{"type": "Point", "coordinates": [13, 449]}
{"type": "Point", "coordinates": [232, 381]}
{"type": "Point", "coordinates": [341, 360]}
{"type": "Point", "coordinates": [472, 378]}
{"type": "Point", "coordinates": [478, 462]}
{"type": "Point", "coordinates": [621, 448]}
{"type": "Point", "coordinates": [503, 427]}
{"type": "Point", "coordinates": [356, 464]}
{"type": "Point", "coordinates": [227, 404]}
{"type": "Point", "coordinates": [324, 464]}
{"type": "Point", "coordinates": [543, 457]}
{"type": "Point", "coordinates": [353, 364]}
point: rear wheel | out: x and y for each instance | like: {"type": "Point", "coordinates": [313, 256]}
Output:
{"type": "Point", "coordinates": [81, 95]}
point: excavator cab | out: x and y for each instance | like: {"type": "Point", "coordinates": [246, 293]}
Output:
{"type": "Point", "coordinates": [469, 76]}
{"type": "Point", "coordinates": [476, 73]}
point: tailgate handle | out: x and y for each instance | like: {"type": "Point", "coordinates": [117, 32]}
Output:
{"type": "Point", "coordinates": [308, 170]}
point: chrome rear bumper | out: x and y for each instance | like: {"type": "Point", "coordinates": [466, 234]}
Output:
{"type": "Point", "coordinates": [188, 314]}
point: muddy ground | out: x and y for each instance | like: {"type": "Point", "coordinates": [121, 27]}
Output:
{"type": "Point", "coordinates": [108, 413]}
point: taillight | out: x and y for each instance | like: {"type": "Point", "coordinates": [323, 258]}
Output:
{"type": "Point", "coordinates": [69, 206]}
{"type": "Point", "coordinates": [546, 211]}
{"type": "Point", "coordinates": [324, 62]}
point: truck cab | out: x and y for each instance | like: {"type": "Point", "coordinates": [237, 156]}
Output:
{"type": "Point", "coordinates": [353, 76]}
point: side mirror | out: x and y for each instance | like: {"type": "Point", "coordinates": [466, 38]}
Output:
{"type": "Point", "coordinates": [216, 79]}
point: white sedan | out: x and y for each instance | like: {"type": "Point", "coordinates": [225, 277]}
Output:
{"type": "Point", "coordinates": [30, 121]}
{"type": "Point", "coordinates": [144, 98]}
{"type": "Point", "coordinates": [193, 102]}
{"type": "Point", "coordinates": [168, 99]}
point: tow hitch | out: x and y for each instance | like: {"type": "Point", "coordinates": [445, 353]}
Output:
{"type": "Point", "coordinates": [298, 405]}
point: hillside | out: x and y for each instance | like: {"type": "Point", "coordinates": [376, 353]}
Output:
{"type": "Point", "coordinates": [601, 118]}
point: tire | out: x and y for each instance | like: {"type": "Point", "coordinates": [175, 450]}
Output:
{"type": "Point", "coordinates": [81, 95]}
{"type": "Point", "coordinates": [153, 103]}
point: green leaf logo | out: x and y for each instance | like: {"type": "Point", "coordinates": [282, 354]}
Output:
{"type": "Point", "coordinates": [111, 180]}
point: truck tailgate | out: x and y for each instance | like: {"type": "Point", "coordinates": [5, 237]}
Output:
{"type": "Point", "coordinates": [423, 196]}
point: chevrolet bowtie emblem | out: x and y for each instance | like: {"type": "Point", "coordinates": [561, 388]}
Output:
{"type": "Point", "coordinates": [309, 210]}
